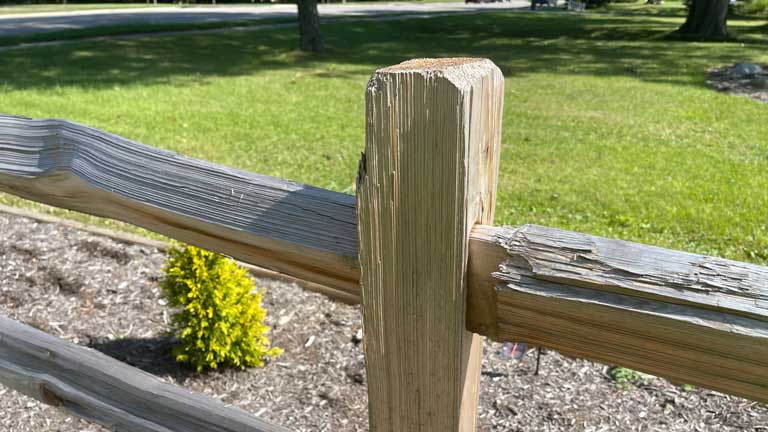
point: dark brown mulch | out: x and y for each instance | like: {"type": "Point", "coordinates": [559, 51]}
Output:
{"type": "Point", "coordinates": [100, 293]}
{"type": "Point", "coordinates": [751, 86]}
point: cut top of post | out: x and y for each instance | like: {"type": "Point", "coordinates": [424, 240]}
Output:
{"type": "Point", "coordinates": [461, 71]}
{"type": "Point", "coordinates": [432, 64]}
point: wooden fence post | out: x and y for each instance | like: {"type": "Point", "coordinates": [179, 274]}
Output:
{"type": "Point", "coordinates": [427, 176]}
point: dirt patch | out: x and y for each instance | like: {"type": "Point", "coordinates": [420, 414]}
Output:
{"type": "Point", "coordinates": [318, 384]}
{"type": "Point", "coordinates": [741, 81]}
{"type": "Point", "coordinates": [99, 249]}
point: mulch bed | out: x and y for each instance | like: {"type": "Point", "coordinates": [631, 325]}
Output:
{"type": "Point", "coordinates": [751, 86]}
{"type": "Point", "coordinates": [104, 294]}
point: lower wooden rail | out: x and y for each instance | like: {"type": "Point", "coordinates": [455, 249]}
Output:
{"type": "Point", "coordinates": [99, 388]}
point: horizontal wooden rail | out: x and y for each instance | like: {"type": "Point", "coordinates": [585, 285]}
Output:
{"type": "Point", "coordinates": [99, 388]}
{"type": "Point", "coordinates": [282, 225]}
{"type": "Point", "coordinates": [687, 317]}
{"type": "Point", "coordinates": [690, 318]}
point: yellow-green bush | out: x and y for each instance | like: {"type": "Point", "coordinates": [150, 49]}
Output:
{"type": "Point", "coordinates": [219, 320]}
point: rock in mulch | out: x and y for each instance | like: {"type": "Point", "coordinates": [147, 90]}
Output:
{"type": "Point", "coordinates": [746, 69]}
{"type": "Point", "coordinates": [743, 79]}
{"type": "Point", "coordinates": [104, 294]}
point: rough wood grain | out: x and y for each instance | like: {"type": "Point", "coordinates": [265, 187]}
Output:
{"type": "Point", "coordinates": [690, 318]}
{"type": "Point", "coordinates": [427, 176]}
{"type": "Point", "coordinates": [99, 388]}
{"type": "Point", "coordinates": [650, 272]}
{"type": "Point", "coordinates": [289, 227]}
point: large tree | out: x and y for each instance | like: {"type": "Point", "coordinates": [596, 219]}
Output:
{"type": "Point", "coordinates": [310, 38]}
{"type": "Point", "coordinates": [706, 20]}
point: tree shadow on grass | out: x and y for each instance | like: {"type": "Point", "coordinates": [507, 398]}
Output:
{"type": "Point", "coordinates": [520, 43]}
{"type": "Point", "coordinates": [558, 44]}
{"type": "Point", "coordinates": [751, 33]}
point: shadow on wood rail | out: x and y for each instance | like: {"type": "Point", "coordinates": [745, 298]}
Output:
{"type": "Point", "coordinates": [686, 317]}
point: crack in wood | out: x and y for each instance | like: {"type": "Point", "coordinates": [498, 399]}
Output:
{"type": "Point", "coordinates": [566, 257]}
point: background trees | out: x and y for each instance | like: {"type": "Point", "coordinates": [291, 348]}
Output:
{"type": "Point", "coordinates": [310, 38]}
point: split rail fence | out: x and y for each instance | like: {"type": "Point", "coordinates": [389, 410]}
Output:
{"type": "Point", "coordinates": [416, 246]}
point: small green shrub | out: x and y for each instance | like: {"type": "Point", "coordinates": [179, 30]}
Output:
{"type": "Point", "coordinates": [624, 377]}
{"type": "Point", "coordinates": [220, 321]}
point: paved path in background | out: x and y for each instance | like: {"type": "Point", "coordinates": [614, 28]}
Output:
{"type": "Point", "coordinates": [16, 25]}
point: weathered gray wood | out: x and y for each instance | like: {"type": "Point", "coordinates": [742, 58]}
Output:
{"type": "Point", "coordinates": [646, 271]}
{"type": "Point", "coordinates": [428, 175]}
{"type": "Point", "coordinates": [285, 226]}
{"type": "Point", "coordinates": [99, 388]}
{"type": "Point", "coordinates": [686, 317]}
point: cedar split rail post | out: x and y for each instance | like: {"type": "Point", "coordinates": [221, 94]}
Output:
{"type": "Point", "coordinates": [416, 245]}
{"type": "Point", "coordinates": [427, 177]}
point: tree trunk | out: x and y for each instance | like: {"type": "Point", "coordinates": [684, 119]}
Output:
{"type": "Point", "coordinates": [309, 27]}
{"type": "Point", "coordinates": [706, 19]}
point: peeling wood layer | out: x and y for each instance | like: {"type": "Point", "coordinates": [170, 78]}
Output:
{"type": "Point", "coordinates": [635, 269]}
{"type": "Point", "coordinates": [689, 318]}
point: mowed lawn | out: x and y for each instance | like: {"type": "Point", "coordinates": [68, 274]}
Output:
{"type": "Point", "coordinates": [608, 128]}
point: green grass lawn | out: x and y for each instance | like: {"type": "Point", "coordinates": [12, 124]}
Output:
{"type": "Point", "coordinates": [669, 8]}
{"type": "Point", "coordinates": [608, 128]}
